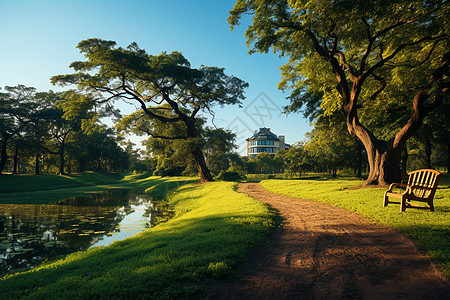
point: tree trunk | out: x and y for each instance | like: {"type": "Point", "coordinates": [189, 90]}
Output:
{"type": "Point", "coordinates": [384, 164]}
{"type": "Point", "coordinates": [428, 152]}
{"type": "Point", "coordinates": [359, 170]}
{"type": "Point", "coordinates": [37, 167]}
{"type": "Point", "coordinates": [448, 157]}
{"type": "Point", "coordinates": [384, 157]}
{"type": "Point", "coordinates": [404, 161]}
{"type": "Point", "coordinates": [334, 171]}
{"type": "Point", "coordinates": [203, 170]}
{"type": "Point", "coordinates": [197, 152]}
{"type": "Point", "coordinates": [4, 155]}
{"type": "Point", "coordinates": [61, 158]}
{"type": "Point", "coordinates": [16, 155]}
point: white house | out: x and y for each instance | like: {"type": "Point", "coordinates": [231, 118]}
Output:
{"type": "Point", "coordinates": [265, 141]}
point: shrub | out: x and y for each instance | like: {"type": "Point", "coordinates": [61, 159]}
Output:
{"type": "Point", "coordinates": [229, 176]}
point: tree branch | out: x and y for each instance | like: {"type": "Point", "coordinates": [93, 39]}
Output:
{"type": "Point", "coordinates": [383, 86]}
{"type": "Point", "coordinates": [369, 49]}
{"type": "Point", "coordinates": [420, 111]}
{"type": "Point", "coordinates": [381, 62]}
{"type": "Point", "coordinates": [180, 137]}
{"type": "Point", "coordinates": [351, 70]}
{"type": "Point", "coordinates": [147, 111]}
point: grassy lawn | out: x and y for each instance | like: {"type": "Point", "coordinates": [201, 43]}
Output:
{"type": "Point", "coordinates": [43, 189]}
{"type": "Point", "coordinates": [213, 230]}
{"type": "Point", "coordinates": [431, 230]}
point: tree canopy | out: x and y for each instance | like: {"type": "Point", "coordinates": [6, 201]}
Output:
{"type": "Point", "coordinates": [130, 74]}
{"type": "Point", "coordinates": [380, 62]}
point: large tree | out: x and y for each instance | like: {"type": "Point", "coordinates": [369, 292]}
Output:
{"type": "Point", "coordinates": [377, 61]}
{"type": "Point", "coordinates": [133, 75]}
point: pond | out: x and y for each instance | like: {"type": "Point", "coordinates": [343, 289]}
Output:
{"type": "Point", "coordinates": [30, 234]}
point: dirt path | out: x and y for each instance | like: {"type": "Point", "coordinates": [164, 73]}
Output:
{"type": "Point", "coordinates": [323, 252]}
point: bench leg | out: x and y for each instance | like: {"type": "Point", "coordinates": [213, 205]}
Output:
{"type": "Point", "coordinates": [431, 205]}
{"type": "Point", "coordinates": [386, 200]}
{"type": "Point", "coordinates": [403, 204]}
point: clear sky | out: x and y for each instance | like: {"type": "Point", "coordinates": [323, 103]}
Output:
{"type": "Point", "coordinates": [39, 39]}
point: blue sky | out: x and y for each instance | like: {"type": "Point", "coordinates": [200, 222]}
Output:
{"type": "Point", "coordinates": [39, 38]}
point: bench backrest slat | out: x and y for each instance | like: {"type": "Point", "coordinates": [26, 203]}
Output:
{"type": "Point", "coordinates": [426, 178]}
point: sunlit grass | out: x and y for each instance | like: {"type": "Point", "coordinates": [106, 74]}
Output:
{"type": "Point", "coordinates": [213, 230]}
{"type": "Point", "coordinates": [28, 183]}
{"type": "Point", "coordinates": [429, 229]}
{"type": "Point", "coordinates": [43, 189]}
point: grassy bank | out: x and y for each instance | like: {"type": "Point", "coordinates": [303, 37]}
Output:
{"type": "Point", "coordinates": [43, 189]}
{"type": "Point", "coordinates": [431, 230]}
{"type": "Point", "coordinates": [212, 232]}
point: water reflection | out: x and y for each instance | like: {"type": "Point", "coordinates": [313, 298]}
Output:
{"type": "Point", "coordinates": [30, 234]}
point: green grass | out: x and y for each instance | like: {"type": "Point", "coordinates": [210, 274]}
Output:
{"type": "Point", "coordinates": [213, 230]}
{"type": "Point", "coordinates": [43, 189]}
{"type": "Point", "coordinates": [430, 230]}
{"type": "Point", "coordinates": [30, 183]}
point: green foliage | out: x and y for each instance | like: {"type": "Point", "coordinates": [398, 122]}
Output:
{"type": "Point", "coordinates": [219, 148]}
{"type": "Point", "coordinates": [238, 164]}
{"type": "Point", "coordinates": [295, 159]}
{"type": "Point", "coordinates": [165, 87]}
{"type": "Point", "coordinates": [214, 230]}
{"type": "Point", "coordinates": [20, 115]}
{"type": "Point", "coordinates": [330, 146]}
{"type": "Point", "coordinates": [287, 27]}
{"type": "Point", "coordinates": [219, 269]}
{"type": "Point", "coordinates": [229, 176]}
{"type": "Point", "coordinates": [383, 63]}
{"type": "Point", "coordinates": [57, 127]}
{"type": "Point", "coordinates": [429, 229]}
{"type": "Point", "coordinates": [265, 163]}
{"type": "Point", "coordinates": [97, 151]}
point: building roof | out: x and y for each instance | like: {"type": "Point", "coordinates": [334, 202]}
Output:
{"type": "Point", "coordinates": [264, 134]}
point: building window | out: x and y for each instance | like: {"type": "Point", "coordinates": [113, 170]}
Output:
{"type": "Point", "coordinates": [262, 149]}
{"type": "Point", "coordinates": [262, 143]}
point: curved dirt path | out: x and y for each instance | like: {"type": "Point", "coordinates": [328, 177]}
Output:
{"type": "Point", "coordinates": [324, 252]}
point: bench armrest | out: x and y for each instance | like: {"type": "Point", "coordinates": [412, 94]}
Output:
{"type": "Point", "coordinates": [394, 185]}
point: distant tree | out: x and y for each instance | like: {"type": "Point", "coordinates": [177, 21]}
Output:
{"type": "Point", "coordinates": [218, 147]}
{"type": "Point", "coordinates": [16, 106]}
{"type": "Point", "coordinates": [437, 133]}
{"type": "Point", "coordinates": [295, 159]}
{"type": "Point", "coordinates": [330, 145]}
{"type": "Point", "coordinates": [237, 164]}
{"type": "Point", "coordinates": [250, 165]}
{"type": "Point", "coordinates": [97, 150]}
{"type": "Point", "coordinates": [133, 75]}
{"type": "Point", "coordinates": [265, 163]}
{"type": "Point", "coordinates": [370, 59]}
{"type": "Point", "coordinates": [137, 164]}
{"type": "Point", "coordinates": [58, 123]}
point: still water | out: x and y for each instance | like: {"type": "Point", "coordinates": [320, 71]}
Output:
{"type": "Point", "coordinates": [30, 234]}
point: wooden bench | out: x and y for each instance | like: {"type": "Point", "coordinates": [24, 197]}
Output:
{"type": "Point", "coordinates": [421, 186]}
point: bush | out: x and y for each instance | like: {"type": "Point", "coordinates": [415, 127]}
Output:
{"type": "Point", "coordinates": [173, 171]}
{"type": "Point", "coordinates": [229, 176]}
